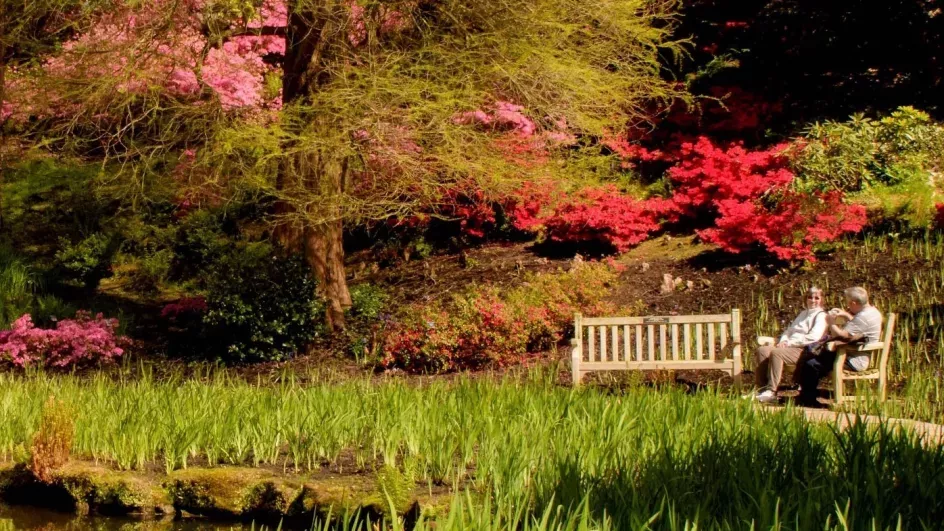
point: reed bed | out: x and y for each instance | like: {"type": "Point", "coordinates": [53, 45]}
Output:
{"type": "Point", "coordinates": [530, 454]}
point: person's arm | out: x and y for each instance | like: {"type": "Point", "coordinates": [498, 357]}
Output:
{"type": "Point", "coordinates": [839, 333]}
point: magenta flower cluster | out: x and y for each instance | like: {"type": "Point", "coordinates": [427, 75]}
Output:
{"type": "Point", "coordinates": [74, 342]}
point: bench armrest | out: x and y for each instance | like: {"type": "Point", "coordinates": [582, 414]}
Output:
{"type": "Point", "coordinates": [867, 347]}
{"type": "Point", "coordinates": [763, 341]}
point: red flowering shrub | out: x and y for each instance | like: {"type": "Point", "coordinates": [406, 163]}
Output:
{"type": "Point", "coordinates": [74, 342]}
{"type": "Point", "coordinates": [185, 308]}
{"type": "Point", "coordinates": [708, 174]}
{"type": "Point", "coordinates": [474, 213]}
{"type": "Point", "coordinates": [600, 214]}
{"type": "Point", "coordinates": [789, 229]}
{"type": "Point", "coordinates": [491, 327]}
{"type": "Point", "coordinates": [743, 198]}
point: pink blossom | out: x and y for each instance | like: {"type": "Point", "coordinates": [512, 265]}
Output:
{"type": "Point", "coordinates": [73, 342]}
{"type": "Point", "coordinates": [272, 13]}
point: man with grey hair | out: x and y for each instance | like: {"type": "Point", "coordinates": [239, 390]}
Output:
{"type": "Point", "coordinates": [863, 324]}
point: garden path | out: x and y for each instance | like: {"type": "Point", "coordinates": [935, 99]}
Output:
{"type": "Point", "coordinates": [929, 432]}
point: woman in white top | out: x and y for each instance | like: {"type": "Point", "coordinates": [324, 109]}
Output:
{"type": "Point", "coordinates": [808, 327]}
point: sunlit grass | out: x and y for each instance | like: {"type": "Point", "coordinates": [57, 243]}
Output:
{"type": "Point", "coordinates": [538, 454]}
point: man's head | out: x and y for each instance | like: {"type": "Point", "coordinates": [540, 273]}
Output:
{"type": "Point", "coordinates": [856, 299]}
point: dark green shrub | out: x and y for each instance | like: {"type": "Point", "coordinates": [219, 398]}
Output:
{"type": "Point", "coordinates": [88, 261]}
{"type": "Point", "coordinates": [18, 285]}
{"type": "Point", "coordinates": [152, 271]}
{"type": "Point", "coordinates": [887, 164]}
{"type": "Point", "coordinates": [367, 301]}
{"type": "Point", "coordinates": [260, 306]}
{"type": "Point", "coordinates": [199, 242]}
{"type": "Point", "coordinates": [861, 153]}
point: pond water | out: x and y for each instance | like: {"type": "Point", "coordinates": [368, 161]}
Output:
{"type": "Point", "coordinates": [20, 517]}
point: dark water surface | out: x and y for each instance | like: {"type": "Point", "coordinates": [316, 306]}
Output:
{"type": "Point", "coordinates": [21, 517]}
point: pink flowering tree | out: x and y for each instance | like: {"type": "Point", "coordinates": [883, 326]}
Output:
{"type": "Point", "coordinates": [29, 29]}
{"type": "Point", "coordinates": [348, 111]}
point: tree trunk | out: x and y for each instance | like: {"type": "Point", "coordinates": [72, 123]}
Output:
{"type": "Point", "coordinates": [322, 242]}
{"type": "Point", "coordinates": [3, 123]}
{"type": "Point", "coordinates": [325, 255]}
{"type": "Point", "coordinates": [305, 45]}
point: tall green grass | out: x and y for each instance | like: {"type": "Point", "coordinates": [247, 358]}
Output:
{"type": "Point", "coordinates": [541, 456]}
{"type": "Point", "coordinates": [18, 283]}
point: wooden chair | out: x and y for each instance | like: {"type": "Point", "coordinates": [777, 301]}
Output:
{"type": "Point", "coordinates": [878, 365]}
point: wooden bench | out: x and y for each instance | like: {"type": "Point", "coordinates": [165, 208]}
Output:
{"type": "Point", "coordinates": [878, 365]}
{"type": "Point", "coordinates": [656, 343]}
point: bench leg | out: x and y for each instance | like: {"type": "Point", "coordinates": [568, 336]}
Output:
{"type": "Point", "coordinates": [881, 388]}
{"type": "Point", "coordinates": [575, 368]}
{"type": "Point", "coordinates": [837, 388]}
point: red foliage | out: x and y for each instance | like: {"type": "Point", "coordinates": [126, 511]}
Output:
{"type": "Point", "coordinates": [186, 307]}
{"type": "Point", "coordinates": [744, 200]}
{"type": "Point", "coordinates": [939, 216]}
{"type": "Point", "coordinates": [708, 174]}
{"type": "Point", "coordinates": [473, 211]}
{"type": "Point", "coordinates": [595, 214]}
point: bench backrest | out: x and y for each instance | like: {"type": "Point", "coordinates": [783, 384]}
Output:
{"type": "Point", "coordinates": [887, 339]}
{"type": "Point", "coordinates": [674, 338]}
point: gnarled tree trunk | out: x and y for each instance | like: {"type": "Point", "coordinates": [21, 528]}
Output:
{"type": "Point", "coordinates": [3, 129]}
{"type": "Point", "coordinates": [322, 241]}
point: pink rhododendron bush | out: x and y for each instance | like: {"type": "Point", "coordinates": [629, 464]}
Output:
{"type": "Point", "coordinates": [82, 341]}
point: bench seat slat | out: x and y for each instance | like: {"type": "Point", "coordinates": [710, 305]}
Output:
{"type": "Point", "coordinates": [675, 342]}
{"type": "Point", "coordinates": [699, 343]}
{"type": "Point", "coordinates": [626, 355]}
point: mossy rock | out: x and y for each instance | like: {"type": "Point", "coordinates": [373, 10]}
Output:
{"type": "Point", "coordinates": [332, 497]}
{"type": "Point", "coordinates": [226, 491]}
{"type": "Point", "coordinates": [109, 491]}
{"type": "Point", "coordinates": [83, 488]}
{"type": "Point", "coordinates": [435, 505]}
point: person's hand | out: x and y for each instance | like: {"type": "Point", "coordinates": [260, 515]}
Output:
{"type": "Point", "coordinates": [782, 344]}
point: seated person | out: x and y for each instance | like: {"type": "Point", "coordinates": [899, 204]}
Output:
{"type": "Point", "coordinates": [808, 327]}
{"type": "Point", "coordinates": [864, 324]}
